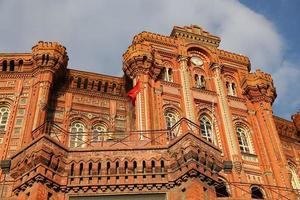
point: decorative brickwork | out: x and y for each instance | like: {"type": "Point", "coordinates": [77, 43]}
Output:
{"type": "Point", "coordinates": [201, 128]}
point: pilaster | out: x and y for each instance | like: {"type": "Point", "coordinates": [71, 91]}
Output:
{"type": "Point", "coordinates": [186, 89]}
{"type": "Point", "coordinates": [260, 91]}
{"type": "Point", "coordinates": [228, 126]}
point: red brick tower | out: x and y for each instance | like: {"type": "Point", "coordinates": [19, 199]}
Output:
{"type": "Point", "coordinates": [201, 126]}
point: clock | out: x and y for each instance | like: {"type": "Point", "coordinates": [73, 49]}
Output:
{"type": "Point", "coordinates": [196, 61]}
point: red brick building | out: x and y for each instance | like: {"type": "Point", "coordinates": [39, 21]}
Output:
{"type": "Point", "coordinates": [201, 126]}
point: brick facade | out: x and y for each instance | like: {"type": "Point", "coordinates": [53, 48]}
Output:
{"type": "Point", "coordinates": [201, 127]}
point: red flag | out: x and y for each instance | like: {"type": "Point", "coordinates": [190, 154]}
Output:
{"type": "Point", "coordinates": [134, 92]}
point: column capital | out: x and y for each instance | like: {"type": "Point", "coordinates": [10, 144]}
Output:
{"type": "Point", "coordinates": [258, 87]}
{"type": "Point", "coordinates": [182, 58]}
{"type": "Point", "coordinates": [215, 66]}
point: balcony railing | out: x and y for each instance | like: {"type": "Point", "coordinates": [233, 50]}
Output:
{"type": "Point", "coordinates": [119, 138]}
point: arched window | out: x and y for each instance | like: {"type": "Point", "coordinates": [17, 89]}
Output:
{"type": "Point", "coordinates": [79, 82]}
{"type": "Point", "coordinates": [4, 65]}
{"type": "Point", "coordinates": [171, 118]}
{"type": "Point", "coordinates": [257, 193]}
{"type": "Point", "coordinates": [99, 86]}
{"type": "Point", "coordinates": [105, 86]}
{"type": "Point", "coordinates": [222, 189]}
{"type": "Point", "coordinates": [85, 83]}
{"type": "Point", "coordinates": [77, 134]}
{"type": "Point", "coordinates": [206, 129]}
{"type": "Point", "coordinates": [231, 88]}
{"type": "Point", "coordinates": [167, 74]}
{"type": "Point", "coordinates": [12, 65]}
{"type": "Point", "coordinates": [4, 113]}
{"type": "Point", "coordinates": [294, 178]}
{"type": "Point", "coordinates": [243, 140]}
{"type": "Point", "coordinates": [99, 133]}
{"type": "Point", "coordinates": [200, 81]}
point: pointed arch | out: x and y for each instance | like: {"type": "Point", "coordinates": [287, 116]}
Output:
{"type": "Point", "coordinates": [257, 192]}
{"type": "Point", "coordinates": [223, 189]}
{"type": "Point", "coordinates": [244, 136]}
{"type": "Point", "coordinates": [294, 179]}
{"type": "Point", "coordinates": [4, 115]}
{"type": "Point", "coordinates": [211, 56]}
{"type": "Point", "coordinates": [77, 134]}
{"type": "Point", "coordinates": [206, 128]}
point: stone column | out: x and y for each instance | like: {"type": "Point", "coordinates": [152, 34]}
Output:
{"type": "Point", "coordinates": [228, 126]}
{"type": "Point", "coordinates": [186, 89]}
{"type": "Point", "coordinates": [259, 89]}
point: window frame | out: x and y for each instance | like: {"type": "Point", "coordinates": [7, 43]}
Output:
{"type": "Point", "coordinates": [78, 136]}
{"type": "Point", "coordinates": [244, 140]}
{"type": "Point", "coordinates": [101, 134]}
{"type": "Point", "coordinates": [3, 123]}
{"type": "Point", "coordinates": [172, 122]}
{"type": "Point", "coordinates": [207, 132]}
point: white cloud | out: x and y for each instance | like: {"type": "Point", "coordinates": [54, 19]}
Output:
{"type": "Point", "coordinates": [96, 33]}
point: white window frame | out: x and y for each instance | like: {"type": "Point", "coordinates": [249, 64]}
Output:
{"type": "Point", "coordinates": [171, 119]}
{"type": "Point", "coordinates": [294, 178]}
{"type": "Point", "coordinates": [77, 137]}
{"type": "Point", "coordinates": [206, 129]}
{"type": "Point", "coordinates": [168, 74]}
{"type": "Point", "coordinates": [243, 140]}
{"type": "Point", "coordinates": [231, 88]}
{"type": "Point", "coordinates": [200, 81]}
{"type": "Point", "coordinates": [100, 133]}
{"type": "Point", "coordinates": [4, 116]}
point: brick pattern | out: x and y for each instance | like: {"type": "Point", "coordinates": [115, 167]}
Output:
{"type": "Point", "coordinates": [138, 154]}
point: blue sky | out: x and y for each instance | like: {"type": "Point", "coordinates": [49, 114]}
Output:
{"type": "Point", "coordinates": [285, 16]}
{"type": "Point", "coordinates": [97, 32]}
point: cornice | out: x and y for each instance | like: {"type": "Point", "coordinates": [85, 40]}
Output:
{"type": "Point", "coordinates": [233, 57]}
{"type": "Point", "coordinates": [171, 84]}
{"type": "Point", "coordinates": [239, 99]}
{"type": "Point", "coordinates": [89, 93]}
{"type": "Point", "coordinates": [155, 38]}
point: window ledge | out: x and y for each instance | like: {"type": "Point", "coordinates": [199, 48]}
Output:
{"type": "Point", "coordinates": [249, 157]}
{"type": "Point", "coordinates": [172, 84]}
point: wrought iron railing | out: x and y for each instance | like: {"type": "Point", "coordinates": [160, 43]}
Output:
{"type": "Point", "coordinates": [118, 138]}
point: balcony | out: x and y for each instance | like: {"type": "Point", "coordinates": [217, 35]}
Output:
{"type": "Point", "coordinates": [122, 161]}
{"type": "Point", "coordinates": [122, 139]}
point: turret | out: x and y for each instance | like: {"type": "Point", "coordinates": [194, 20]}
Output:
{"type": "Point", "coordinates": [141, 59]}
{"type": "Point", "coordinates": [296, 120]}
{"type": "Point", "coordinates": [258, 86]}
{"type": "Point", "coordinates": [50, 55]}
{"type": "Point", "coordinates": [50, 62]}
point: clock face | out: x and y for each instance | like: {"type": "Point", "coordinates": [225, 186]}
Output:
{"type": "Point", "coordinates": [196, 61]}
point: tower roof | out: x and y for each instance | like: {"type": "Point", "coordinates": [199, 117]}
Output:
{"type": "Point", "coordinates": [194, 32]}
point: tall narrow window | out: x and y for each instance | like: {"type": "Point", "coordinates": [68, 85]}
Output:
{"type": "Point", "coordinates": [206, 129]}
{"type": "Point", "coordinates": [4, 65]}
{"type": "Point", "coordinates": [243, 140]}
{"type": "Point", "coordinates": [256, 193]}
{"type": "Point", "coordinates": [200, 81]}
{"type": "Point", "coordinates": [77, 135]}
{"type": "Point", "coordinates": [167, 74]}
{"type": "Point", "coordinates": [221, 189]}
{"type": "Point", "coordinates": [231, 88]}
{"type": "Point", "coordinates": [99, 86]}
{"type": "Point", "coordinates": [294, 178]}
{"type": "Point", "coordinates": [105, 86]}
{"type": "Point", "coordinates": [79, 82]}
{"type": "Point", "coordinates": [171, 119]}
{"type": "Point", "coordinates": [4, 113]}
{"type": "Point", "coordinates": [99, 133]}
{"type": "Point", "coordinates": [20, 63]}
{"type": "Point", "coordinates": [12, 65]}
{"type": "Point", "coordinates": [85, 83]}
